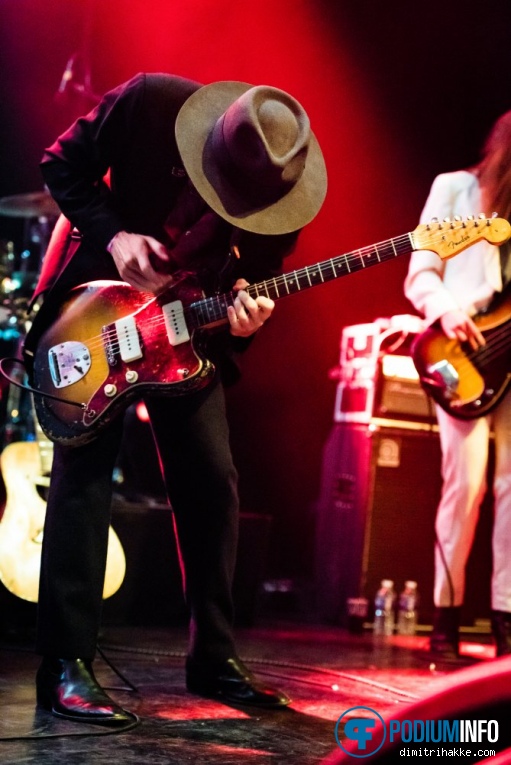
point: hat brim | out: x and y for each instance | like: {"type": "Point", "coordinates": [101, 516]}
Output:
{"type": "Point", "coordinates": [194, 124]}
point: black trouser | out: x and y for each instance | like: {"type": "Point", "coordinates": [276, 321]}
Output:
{"type": "Point", "coordinates": [192, 437]}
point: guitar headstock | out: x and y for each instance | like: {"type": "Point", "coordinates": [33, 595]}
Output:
{"type": "Point", "coordinates": [449, 237]}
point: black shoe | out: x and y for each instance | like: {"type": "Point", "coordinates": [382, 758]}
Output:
{"type": "Point", "coordinates": [444, 643]}
{"type": "Point", "coordinates": [67, 688]}
{"type": "Point", "coordinates": [501, 631]}
{"type": "Point", "coordinates": [233, 682]}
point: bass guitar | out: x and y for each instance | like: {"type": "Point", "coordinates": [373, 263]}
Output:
{"type": "Point", "coordinates": [110, 343]}
{"type": "Point", "coordinates": [465, 382]}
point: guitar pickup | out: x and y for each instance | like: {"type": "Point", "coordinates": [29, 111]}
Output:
{"type": "Point", "coordinates": [175, 323]}
{"type": "Point", "coordinates": [128, 339]}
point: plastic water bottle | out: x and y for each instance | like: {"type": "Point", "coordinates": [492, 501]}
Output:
{"type": "Point", "coordinates": [384, 601]}
{"type": "Point", "coordinates": [407, 609]}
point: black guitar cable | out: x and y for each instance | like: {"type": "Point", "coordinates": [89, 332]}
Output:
{"type": "Point", "coordinates": [29, 388]}
{"type": "Point", "coordinates": [438, 544]}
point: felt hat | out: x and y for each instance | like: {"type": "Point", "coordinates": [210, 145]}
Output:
{"type": "Point", "coordinates": [250, 153]}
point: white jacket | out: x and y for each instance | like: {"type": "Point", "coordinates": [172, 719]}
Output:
{"type": "Point", "coordinates": [467, 280]}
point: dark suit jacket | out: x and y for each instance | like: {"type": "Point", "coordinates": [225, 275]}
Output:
{"type": "Point", "coordinates": [130, 137]}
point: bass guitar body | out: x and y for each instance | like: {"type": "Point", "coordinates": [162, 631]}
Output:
{"type": "Point", "coordinates": [464, 382]}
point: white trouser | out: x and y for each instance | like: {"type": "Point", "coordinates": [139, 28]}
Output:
{"type": "Point", "coordinates": [465, 447]}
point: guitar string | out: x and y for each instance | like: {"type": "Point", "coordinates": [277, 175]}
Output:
{"type": "Point", "coordinates": [497, 343]}
{"type": "Point", "coordinates": [218, 303]}
{"type": "Point", "coordinates": [279, 281]}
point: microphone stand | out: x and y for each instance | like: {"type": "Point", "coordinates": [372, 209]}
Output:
{"type": "Point", "coordinates": [76, 77]}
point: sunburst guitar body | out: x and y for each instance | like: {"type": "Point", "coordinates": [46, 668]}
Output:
{"type": "Point", "coordinates": [465, 382]}
{"type": "Point", "coordinates": [109, 345]}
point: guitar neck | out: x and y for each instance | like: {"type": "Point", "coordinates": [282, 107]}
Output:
{"type": "Point", "coordinates": [213, 310]}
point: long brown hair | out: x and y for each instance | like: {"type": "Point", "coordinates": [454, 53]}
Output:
{"type": "Point", "coordinates": [494, 169]}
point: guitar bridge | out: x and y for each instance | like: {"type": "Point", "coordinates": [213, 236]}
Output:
{"type": "Point", "coordinates": [68, 362]}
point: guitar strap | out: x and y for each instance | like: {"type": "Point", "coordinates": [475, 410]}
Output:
{"type": "Point", "coordinates": [44, 305]}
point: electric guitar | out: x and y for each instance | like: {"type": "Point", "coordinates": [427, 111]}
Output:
{"type": "Point", "coordinates": [25, 466]}
{"type": "Point", "coordinates": [110, 343]}
{"type": "Point", "coordinates": [468, 383]}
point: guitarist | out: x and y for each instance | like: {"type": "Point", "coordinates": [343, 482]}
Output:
{"type": "Point", "coordinates": [451, 292]}
{"type": "Point", "coordinates": [164, 175]}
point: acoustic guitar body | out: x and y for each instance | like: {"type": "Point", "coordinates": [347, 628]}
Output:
{"type": "Point", "coordinates": [21, 527]}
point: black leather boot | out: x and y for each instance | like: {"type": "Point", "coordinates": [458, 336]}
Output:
{"type": "Point", "coordinates": [67, 688]}
{"type": "Point", "coordinates": [444, 643]}
{"type": "Point", "coordinates": [231, 681]}
{"type": "Point", "coordinates": [501, 631]}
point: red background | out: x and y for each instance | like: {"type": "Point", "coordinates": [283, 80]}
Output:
{"type": "Point", "coordinates": [396, 92]}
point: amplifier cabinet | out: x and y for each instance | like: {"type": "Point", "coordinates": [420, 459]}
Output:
{"type": "Point", "coordinates": [392, 391]}
{"type": "Point", "coordinates": [375, 515]}
{"type": "Point", "coordinates": [376, 373]}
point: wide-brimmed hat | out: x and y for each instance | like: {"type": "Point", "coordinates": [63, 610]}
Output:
{"type": "Point", "coordinates": [250, 153]}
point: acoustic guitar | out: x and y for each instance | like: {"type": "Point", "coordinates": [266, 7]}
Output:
{"type": "Point", "coordinates": [465, 382]}
{"type": "Point", "coordinates": [25, 468]}
{"type": "Point", "coordinates": [110, 343]}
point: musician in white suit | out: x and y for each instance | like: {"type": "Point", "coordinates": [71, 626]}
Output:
{"type": "Point", "coordinates": [451, 292]}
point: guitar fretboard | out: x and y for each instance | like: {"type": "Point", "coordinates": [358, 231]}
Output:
{"type": "Point", "coordinates": [214, 309]}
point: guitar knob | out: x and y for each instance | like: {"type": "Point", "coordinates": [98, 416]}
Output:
{"type": "Point", "coordinates": [110, 390]}
{"type": "Point", "coordinates": [131, 376]}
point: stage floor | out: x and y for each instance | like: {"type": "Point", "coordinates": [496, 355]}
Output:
{"type": "Point", "coordinates": [325, 670]}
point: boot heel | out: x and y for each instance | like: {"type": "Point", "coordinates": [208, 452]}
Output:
{"type": "Point", "coordinates": [444, 641]}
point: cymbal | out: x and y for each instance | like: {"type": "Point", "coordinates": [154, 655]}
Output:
{"type": "Point", "coordinates": [36, 204]}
